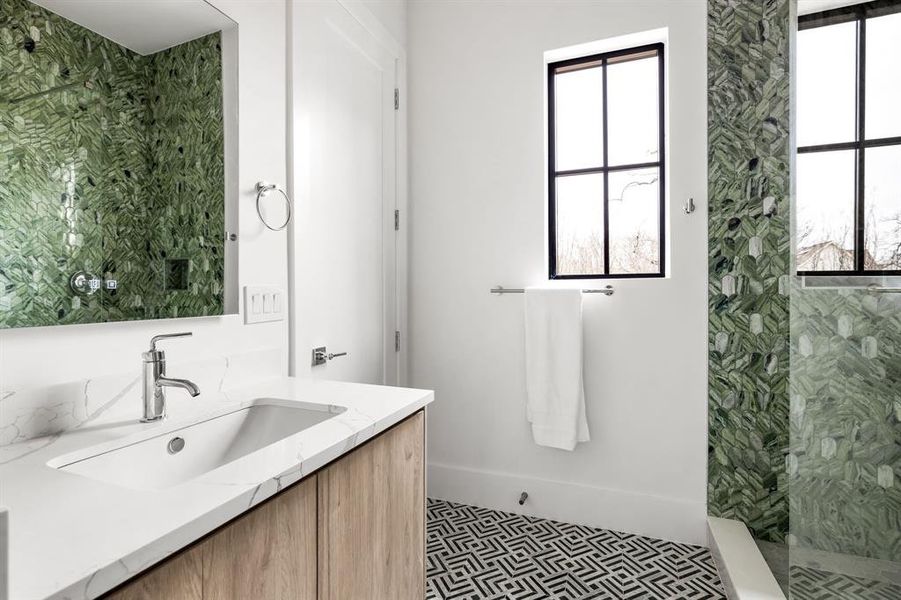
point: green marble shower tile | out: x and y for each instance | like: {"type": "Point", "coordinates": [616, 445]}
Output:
{"type": "Point", "coordinates": [748, 187]}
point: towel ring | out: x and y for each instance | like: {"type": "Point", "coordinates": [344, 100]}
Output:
{"type": "Point", "coordinates": [262, 189]}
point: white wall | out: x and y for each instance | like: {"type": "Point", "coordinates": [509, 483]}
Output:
{"type": "Point", "coordinates": [392, 14]}
{"type": "Point", "coordinates": [50, 355]}
{"type": "Point", "coordinates": [477, 177]}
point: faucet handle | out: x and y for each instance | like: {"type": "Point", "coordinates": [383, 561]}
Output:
{"type": "Point", "coordinates": [166, 336]}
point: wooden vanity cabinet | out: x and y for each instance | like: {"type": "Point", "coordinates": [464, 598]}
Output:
{"type": "Point", "coordinates": [372, 519]}
{"type": "Point", "coordinates": [270, 552]}
{"type": "Point", "coordinates": [355, 530]}
{"type": "Point", "coordinates": [179, 577]}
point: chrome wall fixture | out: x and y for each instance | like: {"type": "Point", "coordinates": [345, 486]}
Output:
{"type": "Point", "coordinates": [878, 289]}
{"type": "Point", "coordinates": [264, 188]}
{"type": "Point", "coordinates": [321, 355]}
{"type": "Point", "coordinates": [84, 283]}
{"type": "Point", "coordinates": [607, 290]}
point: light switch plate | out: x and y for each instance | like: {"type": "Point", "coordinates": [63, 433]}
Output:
{"type": "Point", "coordinates": [263, 304]}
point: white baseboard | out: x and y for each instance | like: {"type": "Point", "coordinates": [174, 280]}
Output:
{"type": "Point", "coordinates": [671, 519]}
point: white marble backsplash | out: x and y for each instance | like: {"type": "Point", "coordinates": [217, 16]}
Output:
{"type": "Point", "coordinates": [41, 413]}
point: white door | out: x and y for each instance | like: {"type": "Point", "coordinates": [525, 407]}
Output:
{"type": "Point", "coordinates": [345, 190]}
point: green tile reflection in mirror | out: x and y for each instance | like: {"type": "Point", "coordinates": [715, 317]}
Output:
{"type": "Point", "coordinates": [111, 163]}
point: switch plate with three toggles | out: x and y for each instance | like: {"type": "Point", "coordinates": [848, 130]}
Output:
{"type": "Point", "coordinates": [263, 304]}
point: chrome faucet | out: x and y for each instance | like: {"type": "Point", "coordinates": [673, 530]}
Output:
{"type": "Point", "coordinates": [155, 380]}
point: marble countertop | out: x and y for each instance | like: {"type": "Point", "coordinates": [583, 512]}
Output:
{"type": "Point", "coordinates": [73, 537]}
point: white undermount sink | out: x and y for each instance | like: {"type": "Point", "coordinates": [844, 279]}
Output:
{"type": "Point", "coordinates": [183, 454]}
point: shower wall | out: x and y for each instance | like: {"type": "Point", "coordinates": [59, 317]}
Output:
{"type": "Point", "coordinates": [182, 203]}
{"type": "Point", "coordinates": [118, 172]}
{"type": "Point", "coordinates": [749, 257]}
{"type": "Point", "coordinates": [840, 485]}
{"type": "Point", "coordinates": [63, 156]}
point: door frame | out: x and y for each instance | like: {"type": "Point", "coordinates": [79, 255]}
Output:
{"type": "Point", "coordinates": [358, 10]}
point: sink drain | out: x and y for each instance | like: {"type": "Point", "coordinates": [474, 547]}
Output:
{"type": "Point", "coordinates": [176, 445]}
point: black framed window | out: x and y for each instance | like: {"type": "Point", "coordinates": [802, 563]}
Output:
{"type": "Point", "coordinates": [606, 168]}
{"type": "Point", "coordinates": [848, 164]}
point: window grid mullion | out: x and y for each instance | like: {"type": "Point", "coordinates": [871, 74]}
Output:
{"type": "Point", "coordinates": [606, 170]}
{"type": "Point", "coordinates": [834, 146]}
{"type": "Point", "coordinates": [598, 170]}
{"type": "Point", "coordinates": [860, 250]}
{"type": "Point", "coordinates": [552, 168]}
{"type": "Point", "coordinates": [661, 156]}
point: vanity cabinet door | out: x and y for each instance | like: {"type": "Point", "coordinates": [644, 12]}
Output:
{"type": "Point", "coordinates": [372, 519]}
{"type": "Point", "coordinates": [267, 554]}
{"type": "Point", "coordinates": [176, 579]}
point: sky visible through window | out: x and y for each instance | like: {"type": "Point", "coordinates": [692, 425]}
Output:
{"type": "Point", "coordinates": [826, 181]}
{"type": "Point", "coordinates": [632, 138]}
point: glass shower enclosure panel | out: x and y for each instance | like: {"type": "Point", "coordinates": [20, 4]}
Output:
{"type": "Point", "coordinates": [844, 460]}
{"type": "Point", "coordinates": [844, 455]}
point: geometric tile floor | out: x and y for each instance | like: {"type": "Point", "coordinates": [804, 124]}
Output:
{"type": "Point", "coordinates": [480, 554]}
{"type": "Point", "coordinates": [813, 584]}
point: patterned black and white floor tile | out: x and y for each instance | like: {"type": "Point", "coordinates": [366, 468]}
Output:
{"type": "Point", "coordinates": [480, 554]}
{"type": "Point", "coordinates": [812, 584]}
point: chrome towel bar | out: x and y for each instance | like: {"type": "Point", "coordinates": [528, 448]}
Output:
{"type": "Point", "coordinates": [878, 289]}
{"type": "Point", "coordinates": [607, 291]}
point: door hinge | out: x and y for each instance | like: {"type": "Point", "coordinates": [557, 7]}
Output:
{"type": "Point", "coordinates": [396, 220]}
{"type": "Point", "coordinates": [397, 341]}
{"type": "Point", "coordinates": [396, 99]}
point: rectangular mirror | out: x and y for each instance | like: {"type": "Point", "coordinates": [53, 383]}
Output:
{"type": "Point", "coordinates": [117, 161]}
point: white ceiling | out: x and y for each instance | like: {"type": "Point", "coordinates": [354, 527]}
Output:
{"type": "Point", "coordinates": [805, 7]}
{"type": "Point", "coordinates": [143, 26]}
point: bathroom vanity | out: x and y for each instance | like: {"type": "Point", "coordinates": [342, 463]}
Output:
{"type": "Point", "coordinates": [288, 488]}
{"type": "Point", "coordinates": [354, 529]}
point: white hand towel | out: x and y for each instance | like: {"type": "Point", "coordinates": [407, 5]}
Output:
{"type": "Point", "coordinates": [556, 400]}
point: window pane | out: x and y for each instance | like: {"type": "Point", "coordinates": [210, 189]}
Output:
{"type": "Point", "coordinates": [580, 224]}
{"type": "Point", "coordinates": [825, 223]}
{"type": "Point", "coordinates": [633, 113]}
{"type": "Point", "coordinates": [634, 212]}
{"type": "Point", "coordinates": [882, 202]}
{"type": "Point", "coordinates": [883, 117]}
{"type": "Point", "coordinates": [827, 87]}
{"type": "Point", "coordinates": [579, 97]}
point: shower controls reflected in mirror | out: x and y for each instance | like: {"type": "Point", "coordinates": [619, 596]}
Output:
{"type": "Point", "coordinates": [84, 284]}
{"type": "Point", "coordinates": [115, 144]}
